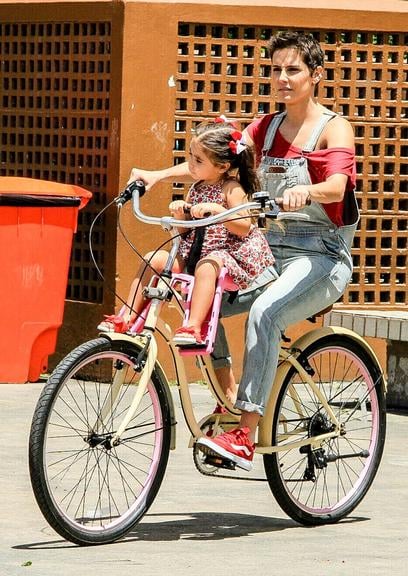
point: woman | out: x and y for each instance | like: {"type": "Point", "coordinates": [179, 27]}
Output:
{"type": "Point", "coordinates": [306, 157]}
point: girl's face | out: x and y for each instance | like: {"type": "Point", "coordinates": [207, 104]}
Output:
{"type": "Point", "coordinates": [200, 165]}
{"type": "Point", "coordinates": [292, 80]}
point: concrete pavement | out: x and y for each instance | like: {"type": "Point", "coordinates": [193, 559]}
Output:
{"type": "Point", "coordinates": [199, 525]}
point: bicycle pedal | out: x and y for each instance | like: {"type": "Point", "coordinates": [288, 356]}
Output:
{"type": "Point", "coordinates": [192, 346]}
{"type": "Point", "coordinates": [219, 462]}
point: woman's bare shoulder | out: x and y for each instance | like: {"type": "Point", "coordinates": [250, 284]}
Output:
{"type": "Point", "coordinates": [338, 133]}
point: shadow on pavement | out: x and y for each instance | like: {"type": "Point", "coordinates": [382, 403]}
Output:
{"type": "Point", "coordinates": [196, 526]}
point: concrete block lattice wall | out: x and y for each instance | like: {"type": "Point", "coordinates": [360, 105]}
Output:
{"type": "Point", "coordinates": [90, 89]}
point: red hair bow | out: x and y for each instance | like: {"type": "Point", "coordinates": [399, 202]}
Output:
{"type": "Point", "coordinates": [220, 119]}
{"type": "Point", "coordinates": [236, 144]}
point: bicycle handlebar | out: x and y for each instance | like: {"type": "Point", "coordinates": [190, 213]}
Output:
{"type": "Point", "coordinates": [261, 201]}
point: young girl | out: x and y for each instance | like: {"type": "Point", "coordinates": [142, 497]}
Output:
{"type": "Point", "coordinates": [223, 167]}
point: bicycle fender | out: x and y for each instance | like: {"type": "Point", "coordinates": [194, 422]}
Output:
{"type": "Point", "coordinates": [310, 337]}
{"type": "Point", "coordinates": [139, 342]}
{"type": "Point", "coordinates": [266, 422]}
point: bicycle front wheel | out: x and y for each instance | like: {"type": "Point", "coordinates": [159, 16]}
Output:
{"type": "Point", "coordinates": [89, 491]}
{"type": "Point", "coordinates": [322, 484]}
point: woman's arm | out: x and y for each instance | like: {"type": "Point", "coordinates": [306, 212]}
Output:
{"type": "Point", "coordinates": [179, 172]}
{"type": "Point", "coordinates": [247, 138]}
{"type": "Point", "coordinates": [330, 190]}
{"type": "Point", "coordinates": [337, 134]}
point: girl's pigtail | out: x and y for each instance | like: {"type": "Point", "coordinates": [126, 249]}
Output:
{"type": "Point", "coordinates": [247, 173]}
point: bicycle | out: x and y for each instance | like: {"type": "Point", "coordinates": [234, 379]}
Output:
{"type": "Point", "coordinates": [105, 422]}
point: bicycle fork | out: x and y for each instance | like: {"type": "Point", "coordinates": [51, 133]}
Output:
{"type": "Point", "coordinates": [145, 362]}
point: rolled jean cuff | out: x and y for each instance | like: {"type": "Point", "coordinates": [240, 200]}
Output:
{"type": "Point", "coordinates": [249, 407]}
{"type": "Point", "coordinates": [221, 362]}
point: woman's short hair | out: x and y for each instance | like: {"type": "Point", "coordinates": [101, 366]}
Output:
{"type": "Point", "coordinates": [306, 44]}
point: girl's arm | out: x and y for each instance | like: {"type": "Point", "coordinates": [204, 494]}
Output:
{"type": "Point", "coordinates": [239, 223]}
{"type": "Point", "coordinates": [179, 172]}
{"type": "Point", "coordinates": [176, 209]}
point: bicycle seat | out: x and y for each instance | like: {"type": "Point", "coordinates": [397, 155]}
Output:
{"type": "Point", "coordinates": [321, 313]}
{"type": "Point", "coordinates": [228, 283]}
{"type": "Point", "coordinates": [209, 328]}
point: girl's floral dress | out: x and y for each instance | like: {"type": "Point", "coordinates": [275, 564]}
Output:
{"type": "Point", "coordinates": [245, 257]}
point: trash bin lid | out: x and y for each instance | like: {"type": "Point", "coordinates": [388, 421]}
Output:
{"type": "Point", "coordinates": [18, 191]}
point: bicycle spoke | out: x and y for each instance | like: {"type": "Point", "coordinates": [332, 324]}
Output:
{"type": "Point", "coordinates": [326, 480]}
{"type": "Point", "coordinates": [90, 490]}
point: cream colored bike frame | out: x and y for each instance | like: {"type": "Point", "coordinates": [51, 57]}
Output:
{"type": "Point", "coordinates": [288, 359]}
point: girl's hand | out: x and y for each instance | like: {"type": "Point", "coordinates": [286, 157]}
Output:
{"type": "Point", "coordinates": [204, 209]}
{"type": "Point", "coordinates": [295, 198]}
{"type": "Point", "coordinates": [177, 209]}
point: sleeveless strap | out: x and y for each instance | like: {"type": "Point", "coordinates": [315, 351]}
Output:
{"type": "Point", "coordinates": [313, 138]}
{"type": "Point", "coordinates": [271, 131]}
{"type": "Point", "coordinates": [317, 130]}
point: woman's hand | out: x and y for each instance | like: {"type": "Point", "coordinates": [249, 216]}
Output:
{"type": "Point", "coordinates": [295, 198]}
{"type": "Point", "coordinates": [331, 190]}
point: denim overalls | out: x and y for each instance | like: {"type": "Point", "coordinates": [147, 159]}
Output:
{"type": "Point", "coordinates": [313, 264]}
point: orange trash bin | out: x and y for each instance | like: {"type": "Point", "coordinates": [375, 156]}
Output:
{"type": "Point", "coordinates": [37, 222]}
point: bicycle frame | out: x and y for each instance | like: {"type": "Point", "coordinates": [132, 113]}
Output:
{"type": "Point", "coordinates": [288, 359]}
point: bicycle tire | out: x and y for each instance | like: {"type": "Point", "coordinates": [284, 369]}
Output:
{"type": "Point", "coordinates": [323, 487]}
{"type": "Point", "coordinates": [88, 492]}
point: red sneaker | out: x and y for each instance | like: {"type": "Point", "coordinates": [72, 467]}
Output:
{"type": "Point", "coordinates": [234, 445]}
{"type": "Point", "coordinates": [220, 410]}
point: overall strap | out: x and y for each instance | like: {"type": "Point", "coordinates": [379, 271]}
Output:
{"type": "Point", "coordinates": [317, 130]}
{"type": "Point", "coordinates": [271, 131]}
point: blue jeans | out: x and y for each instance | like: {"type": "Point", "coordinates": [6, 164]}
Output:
{"type": "Point", "coordinates": [314, 268]}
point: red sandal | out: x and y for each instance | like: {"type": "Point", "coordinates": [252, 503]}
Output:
{"type": "Point", "coordinates": [114, 323]}
{"type": "Point", "coordinates": [188, 336]}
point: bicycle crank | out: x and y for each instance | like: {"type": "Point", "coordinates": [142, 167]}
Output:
{"type": "Point", "coordinates": [218, 462]}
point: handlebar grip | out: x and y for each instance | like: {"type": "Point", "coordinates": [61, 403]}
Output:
{"type": "Point", "coordinates": [127, 193]}
{"type": "Point", "coordinates": [187, 210]}
{"type": "Point", "coordinates": [137, 184]}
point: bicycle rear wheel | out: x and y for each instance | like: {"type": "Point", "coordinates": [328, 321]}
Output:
{"type": "Point", "coordinates": [89, 491]}
{"type": "Point", "coordinates": [323, 485]}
